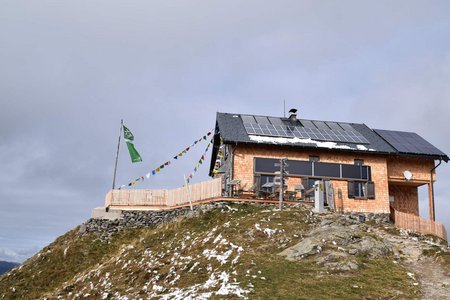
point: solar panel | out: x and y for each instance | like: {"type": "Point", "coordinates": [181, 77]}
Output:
{"type": "Point", "coordinates": [334, 126]}
{"type": "Point", "coordinates": [408, 142]}
{"type": "Point", "coordinates": [275, 121]}
{"type": "Point", "coordinates": [262, 120]}
{"type": "Point", "coordinates": [346, 127]}
{"type": "Point", "coordinates": [321, 125]}
{"type": "Point", "coordinates": [308, 124]}
{"type": "Point", "coordinates": [305, 133]}
{"type": "Point", "coordinates": [248, 119]}
{"type": "Point", "coordinates": [268, 130]}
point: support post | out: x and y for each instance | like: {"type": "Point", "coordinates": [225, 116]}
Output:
{"type": "Point", "coordinates": [431, 201]}
{"type": "Point", "coordinates": [189, 192]}
{"type": "Point", "coordinates": [283, 166]}
{"type": "Point", "coordinates": [431, 194]}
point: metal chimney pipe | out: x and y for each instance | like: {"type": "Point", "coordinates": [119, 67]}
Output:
{"type": "Point", "coordinates": [293, 114]}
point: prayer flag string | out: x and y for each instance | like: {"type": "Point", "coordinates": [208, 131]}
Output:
{"type": "Point", "coordinates": [167, 163]}
{"type": "Point", "coordinates": [198, 164]}
{"type": "Point", "coordinates": [218, 161]}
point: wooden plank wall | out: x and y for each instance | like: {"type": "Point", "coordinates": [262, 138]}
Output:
{"type": "Point", "coordinates": [418, 224]}
{"type": "Point", "coordinates": [199, 191]}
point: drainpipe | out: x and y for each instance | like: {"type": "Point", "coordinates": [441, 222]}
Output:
{"type": "Point", "coordinates": [232, 161]}
{"type": "Point", "coordinates": [432, 188]}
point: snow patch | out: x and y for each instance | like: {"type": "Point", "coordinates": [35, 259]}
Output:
{"type": "Point", "coordinates": [218, 238]}
{"type": "Point", "coordinates": [222, 258]}
{"type": "Point", "coordinates": [296, 140]}
{"type": "Point", "coordinates": [267, 231]}
{"type": "Point", "coordinates": [270, 232]}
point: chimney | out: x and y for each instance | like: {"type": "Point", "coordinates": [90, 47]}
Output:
{"type": "Point", "coordinates": [293, 114]}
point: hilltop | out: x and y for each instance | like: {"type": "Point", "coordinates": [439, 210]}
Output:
{"type": "Point", "coordinates": [236, 251]}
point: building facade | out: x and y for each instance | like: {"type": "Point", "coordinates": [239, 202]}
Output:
{"type": "Point", "coordinates": [369, 170]}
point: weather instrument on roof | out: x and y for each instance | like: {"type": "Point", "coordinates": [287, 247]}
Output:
{"type": "Point", "coordinates": [303, 129]}
{"type": "Point", "coordinates": [408, 175]}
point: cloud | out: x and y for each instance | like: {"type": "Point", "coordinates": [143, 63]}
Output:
{"type": "Point", "coordinates": [71, 71]}
{"type": "Point", "coordinates": [16, 255]}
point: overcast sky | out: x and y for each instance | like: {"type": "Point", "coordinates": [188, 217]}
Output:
{"type": "Point", "coordinates": [70, 70]}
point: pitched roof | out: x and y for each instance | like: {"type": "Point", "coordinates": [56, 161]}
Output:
{"type": "Point", "coordinates": [340, 136]}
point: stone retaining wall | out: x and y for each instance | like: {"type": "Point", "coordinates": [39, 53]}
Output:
{"type": "Point", "coordinates": [141, 219]}
{"type": "Point", "coordinates": [364, 217]}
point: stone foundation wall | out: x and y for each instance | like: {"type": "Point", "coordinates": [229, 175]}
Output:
{"type": "Point", "coordinates": [141, 219]}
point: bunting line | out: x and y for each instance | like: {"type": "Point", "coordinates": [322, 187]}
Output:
{"type": "Point", "coordinates": [168, 162]}
{"type": "Point", "coordinates": [218, 161]}
{"type": "Point", "coordinates": [199, 163]}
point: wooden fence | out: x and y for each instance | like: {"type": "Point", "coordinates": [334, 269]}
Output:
{"type": "Point", "coordinates": [174, 197]}
{"type": "Point", "coordinates": [418, 224]}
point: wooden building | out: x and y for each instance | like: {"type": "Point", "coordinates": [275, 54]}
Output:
{"type": "Point", "coordinates": [370, 170]}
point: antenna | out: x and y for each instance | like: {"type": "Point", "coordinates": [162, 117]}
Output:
{"type": "Point", "coordinates": [284, 108]}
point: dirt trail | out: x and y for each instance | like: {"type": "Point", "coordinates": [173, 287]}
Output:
{"type": "Point", "coordinates": [431, 277]}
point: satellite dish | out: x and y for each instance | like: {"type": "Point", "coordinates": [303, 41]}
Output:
{"type": "Point", "coordinates": [408, 175]}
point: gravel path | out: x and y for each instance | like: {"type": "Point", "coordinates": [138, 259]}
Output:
{"type": "Point", "coordinates": [432, 278]}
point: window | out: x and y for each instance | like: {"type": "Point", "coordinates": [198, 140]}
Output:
{"type": "Point", "coordinates": [308, 184]}
{"type": "Point", "coordinates": [313, 158]}
{"type": "Point", "coordinates": [359, 162]}
{"type": "Point", "coordinates": [327, 170]}
{"type": "Point", "coordinates": [361, 189]}
{"type": "Point", "coordinates": [266, 179]}
{"type": "Point", "coordinates": [313, 168]}
{"type": "Point", "coordinates": [261, 180]}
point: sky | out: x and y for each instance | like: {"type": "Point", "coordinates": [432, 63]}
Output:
{"type": "Point", "coordinates": [71, 70]}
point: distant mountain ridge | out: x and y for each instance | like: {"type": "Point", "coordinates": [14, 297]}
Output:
{"type": "Point", "coordinates": [5, 266]}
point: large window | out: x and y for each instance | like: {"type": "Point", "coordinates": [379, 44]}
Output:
{"type": "Point", "coordinates": [361, 190]}
{"type": "Point", "coordinates": [327, 170]}
{"type": "Point", "coordinates": [295, 167]}
{"type": "Point", "coordinates": [303, 168]}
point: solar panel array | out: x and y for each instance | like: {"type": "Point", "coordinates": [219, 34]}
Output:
{"type": "Point", "coordinates": [408, 142]}
{"type": "Point", "coordinates": [275, 127]}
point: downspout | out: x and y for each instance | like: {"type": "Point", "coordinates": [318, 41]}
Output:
{"type": "Point", "coordinates": [232, 162]}
{"type": "Point", "coordinates": [432, 187]}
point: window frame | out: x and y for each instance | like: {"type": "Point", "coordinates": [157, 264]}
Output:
{"type": "Point", "coordinates": [366, 190]}
{"type": "Point", "coordinates": [358, 162]}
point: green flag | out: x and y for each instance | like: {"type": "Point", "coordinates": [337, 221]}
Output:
{"type": "Point", "coordinates": [129, 138]}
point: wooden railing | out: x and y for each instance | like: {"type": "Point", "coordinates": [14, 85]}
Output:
{"type": "Point", "coordinates": [418, 224]}
{"type": "Point", "coordinates": [197, 192]}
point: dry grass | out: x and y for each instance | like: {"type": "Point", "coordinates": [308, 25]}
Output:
{"type": "Point", "coordinates": [135, 257]}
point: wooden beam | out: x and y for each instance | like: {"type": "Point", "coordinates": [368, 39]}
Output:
{"type": "Point", "coordinates": [402, 180]}
{"type": "Point", "coordinates": [431, 202]}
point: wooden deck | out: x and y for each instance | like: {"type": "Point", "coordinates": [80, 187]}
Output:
{"type": "Point", "coordinates": [199, 193]}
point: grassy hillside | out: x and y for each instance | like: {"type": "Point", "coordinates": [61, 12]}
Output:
{"type": "Point", "coordinates": [226, 253]}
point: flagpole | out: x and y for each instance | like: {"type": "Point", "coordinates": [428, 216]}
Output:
{"type": "Point", "coordinates": [117, 155]}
